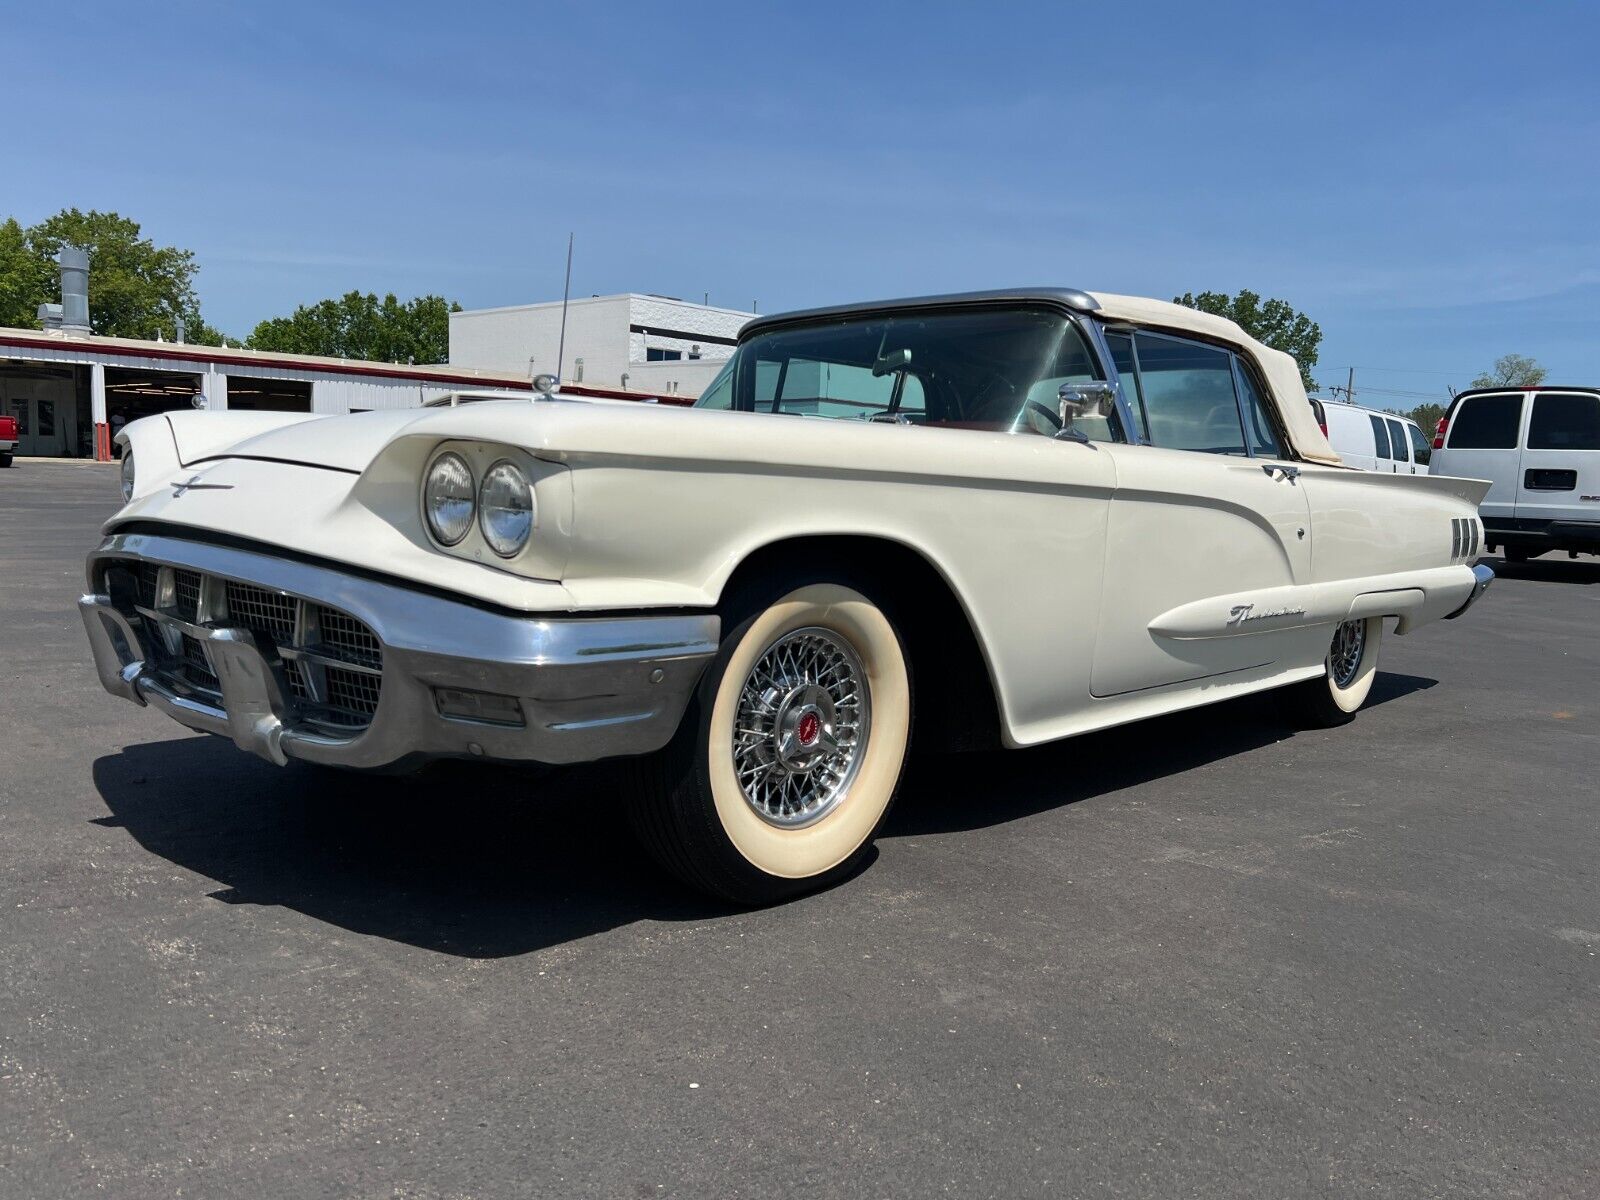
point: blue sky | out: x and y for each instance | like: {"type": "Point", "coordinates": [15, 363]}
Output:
{"type": "Point", "coordinates": [1423, 180]}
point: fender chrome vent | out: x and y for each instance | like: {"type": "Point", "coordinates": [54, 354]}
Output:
{"type": "Point", "coordinates": [1465, 538]}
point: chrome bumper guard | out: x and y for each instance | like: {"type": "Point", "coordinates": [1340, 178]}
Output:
{"type": "Point", "coordinates": [1482, 577]}
{"type": "Point", "coordinates": [544, 689]}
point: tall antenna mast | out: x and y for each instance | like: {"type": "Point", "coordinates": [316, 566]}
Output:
{"type": "Point", "coordinates": [566, 290]}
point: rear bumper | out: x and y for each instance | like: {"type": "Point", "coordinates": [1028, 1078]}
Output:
{"type": "Point", "coordinates": [1542, 535]}
{"type": "Point", "coordinates": [1482, 577]}
{"type": "Point", "coordinates": [456, 680]}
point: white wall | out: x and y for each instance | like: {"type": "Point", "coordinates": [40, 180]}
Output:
{"type": "Point", "coordinates": [599, 331]}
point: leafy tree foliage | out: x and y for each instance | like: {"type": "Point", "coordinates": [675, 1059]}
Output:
{"type": "Point", "coordinates": [1427, 417]}
{"type": "Point", "coordinates": [359, 325]}
{"type": "Point", "coordinates": [1511, 370]}
{"type": "Point", "coordinates": [136, 288]}
{"type": "Point", "coordinates": [1273, 322]}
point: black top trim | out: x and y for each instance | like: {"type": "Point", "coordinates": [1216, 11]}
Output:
{"type": "Point", "coordinates": [1070, 299]}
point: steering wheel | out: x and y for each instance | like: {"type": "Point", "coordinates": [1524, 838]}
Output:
{"type": "Point", "coordinates": [1048, 413]}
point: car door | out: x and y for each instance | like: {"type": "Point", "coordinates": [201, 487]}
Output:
{"type": "Point", "coordinates": [1421, 449]}
{"type": "Point", "coordinates": [1558, 477]}
{"type": "Point", "coordinates": [1384, 454]}
{"type": "Point", "coordinates": [1399, 447]}
{"type": "Point", "coordinates": [1482, 441]}
{"type": "Point", "coordinates": [1208, 529]}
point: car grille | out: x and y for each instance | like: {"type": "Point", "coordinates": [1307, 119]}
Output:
{"type": "Point", "coordinates": [332, 662]}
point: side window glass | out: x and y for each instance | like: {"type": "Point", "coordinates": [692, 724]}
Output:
{"type": "Point", "coordinates": [1397, 442]}
{"type": "Point", "coordinates": [1380, 437]}
{"type": "Point", "coordinates": [720, 393]}
{"type": "Point", "coordinates": [1121, 347]}
{"type": "Point", "coordinates": [1187, 391]}
{"type": "Point", "coordinates": [1564, 421]}
{"type": "Point", "coordinates": [1259, 429]}
{"type": "Point", "coordinates": [1486, 423]}
{"type": "Point", "coordinates": [1421, 447]}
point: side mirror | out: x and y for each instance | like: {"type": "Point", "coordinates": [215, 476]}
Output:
{"type": "Point", "coordinates": [1093, 398]}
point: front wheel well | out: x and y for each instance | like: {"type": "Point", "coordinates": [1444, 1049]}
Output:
{"type": "Point", "coordinates": [956, 705]}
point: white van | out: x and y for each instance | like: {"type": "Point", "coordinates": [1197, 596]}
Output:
{"type": "Point", "coordinates": [1372, 440]}
{"type": "Point", "coordinates": [1540, 447]}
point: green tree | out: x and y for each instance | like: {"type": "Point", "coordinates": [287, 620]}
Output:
{"type": "Point", "coordinates": [137, 289]}
{"type": "Point", "coordinates": [359, 325]}
{"type": "Point", "coordinates": [1511, 370]}
{"type": "Point", "coordinates": [1272, 322]}
{"type": "Point", "coordinates": [1427, 417]}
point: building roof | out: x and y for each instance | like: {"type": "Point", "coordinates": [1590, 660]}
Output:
{"type": "Point", "coordinates": [95, 346]}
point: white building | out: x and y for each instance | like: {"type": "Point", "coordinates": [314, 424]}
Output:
{"type": "Point", "coordinates": [656, 345]}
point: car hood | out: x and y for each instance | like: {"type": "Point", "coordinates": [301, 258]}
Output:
{"type": "Point", "coordinates": [346, 443]}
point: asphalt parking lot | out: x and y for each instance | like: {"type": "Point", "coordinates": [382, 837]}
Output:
{"type": "Point", "coordinates": [1204, 956]}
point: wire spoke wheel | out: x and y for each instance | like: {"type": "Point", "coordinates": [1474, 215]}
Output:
{"type": "Point", "coordinates": [1345, 655]}
{"type": "Point", "coordinates": [804, 716]}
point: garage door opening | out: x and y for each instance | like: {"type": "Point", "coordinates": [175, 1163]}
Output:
{"type": "Point", "coordinates": [269, 395]}
{"type": "Point", "coordinates": [51, 405]}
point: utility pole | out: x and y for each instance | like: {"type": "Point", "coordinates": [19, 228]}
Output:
{"type": "Point", "coordinates": [1350, 386]}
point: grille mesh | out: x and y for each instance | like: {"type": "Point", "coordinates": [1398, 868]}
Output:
{"type": "Point", "coordinates": [262, 611]}
{"type": "Point", "coordinates": [353, 692]}
{"type": "Point", "coordinates": [322, 690]}
{"type": "Point", "coordinates": [347, 638]}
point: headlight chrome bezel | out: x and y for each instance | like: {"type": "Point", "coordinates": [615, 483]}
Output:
{"type": "Point", "coordinates": [429, 520]}
{"type": "Point", "coordinates": [501, 468]}
{"type": "Point", "coordinates": [129, 478]}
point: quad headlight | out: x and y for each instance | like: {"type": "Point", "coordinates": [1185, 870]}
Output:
{"type": "Point", "coordinates": [127, 475]}
{"type": "Point", "coordinates": [505, 508]}
{"type": "Point", "coordinates": [447, 499]}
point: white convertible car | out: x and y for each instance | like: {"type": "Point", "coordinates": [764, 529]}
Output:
{"type": "Point", "coordinates": [996, 518]}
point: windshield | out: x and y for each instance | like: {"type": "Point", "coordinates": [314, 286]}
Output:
{"type": "Point", "coordinates": [996, 369]}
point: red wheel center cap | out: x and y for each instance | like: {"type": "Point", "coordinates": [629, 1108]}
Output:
{"type": "Point", "coordinates": [808, 728]}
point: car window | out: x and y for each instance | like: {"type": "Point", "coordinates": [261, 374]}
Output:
{"type": "Point", "coordinates": [1380, 437]}
{"type": "Point", "coordinates": [1486, 423]}
{"type": "Point", "coordinates": [1564, 421]}
{"type": "Point", "coordinates": [1421, 447]}
{"type": "Point", "coordinates": [1263, 436]}
{"type": "Point", "coordinates": [1187, 391]}
{"type": "Point", "coordinates": [1121, 347]}
{"type": "Point", "coordinates": [1397, 442]}
{"type": "Point", "coordinates": [996, 370]}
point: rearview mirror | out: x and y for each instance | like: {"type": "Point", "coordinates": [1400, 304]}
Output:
{"type": "Point", "coordinates": [893, 361]}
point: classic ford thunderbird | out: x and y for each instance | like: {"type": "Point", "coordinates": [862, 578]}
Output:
{"type": "Point", "coordinates": [997, 518]}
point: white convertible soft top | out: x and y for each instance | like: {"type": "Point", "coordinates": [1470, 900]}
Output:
{"type": "Point", "coordinates": [1280, 370]}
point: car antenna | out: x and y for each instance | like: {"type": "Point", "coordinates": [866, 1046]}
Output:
{"type": "Point", "coordinates": [566, 290]}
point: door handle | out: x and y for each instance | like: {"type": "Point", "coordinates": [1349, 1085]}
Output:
{"type": "Point", "coordinates": [1280, 471]}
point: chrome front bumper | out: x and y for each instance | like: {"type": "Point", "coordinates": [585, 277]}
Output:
{"type": "Point", "coordinates": [1482, 577]}
{"type": "Point", "coordinates": [545, 689]}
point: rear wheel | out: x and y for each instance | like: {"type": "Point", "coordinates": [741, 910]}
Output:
{"type": "Point", "coordinates": [5, 459]}
{"type": "Point", "coordinates": [1516, 554]}
{"type": "Point", "coordinates": [791, 751]}
{"type": "Point", "coordinates": [1351, 664]}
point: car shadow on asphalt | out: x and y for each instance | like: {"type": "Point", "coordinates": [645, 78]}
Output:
{"type": "Point", "coordinates": [938, 794]}
{"type": "Point", "coordinates": [487, 862]}
{"type": "Point", "coordinates": [462, 859]}
{"type": "Point", "coordinates": [1551, 568]}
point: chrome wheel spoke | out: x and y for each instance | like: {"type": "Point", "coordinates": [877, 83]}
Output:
{"type": "Point", "coordinates": [801, 728]}
{"type": "Point", "coordinates": [1344, 656]}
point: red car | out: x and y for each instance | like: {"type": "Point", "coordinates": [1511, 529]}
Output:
{"type": "Point", "coordinates": [8, 440]}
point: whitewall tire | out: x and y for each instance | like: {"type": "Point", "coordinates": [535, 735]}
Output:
{"type": "Point", "coordinates": [1351, 666]}
{"type": "Point", "coordinates": [791, 752]}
